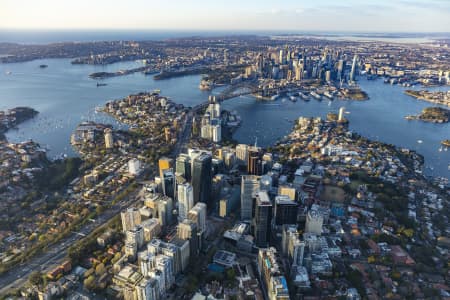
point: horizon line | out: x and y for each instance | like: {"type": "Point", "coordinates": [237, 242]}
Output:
{"type": "Point", "coordinates": [287, 31]}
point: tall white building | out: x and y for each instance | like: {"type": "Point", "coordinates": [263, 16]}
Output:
{"type": "Point", "coordinates": [216, 133]}
{"type": "Point", "coordinates": [109, 140]}
{"type": "Point", "coordinates": [147, 262]}
{"type": "Point", "coordinates": [165, 211]}
{"type": "Point", "coordinates": [147, 289]}
{"type": "Point", "coordinates": [242, 154]}
{"type": "Point", "coordinates": [314, 222]}
{"type": "Point", "coordinates": [134, 166]}
{"type": "Point", "coordinates": [152, 229]}
{"type": "Point", "coordinates": [198, 215]}
{"type": "Point", "coordinates": [130, 218]}
{"type": "Point", "coordinates": [165, 265]}
{"type": "Point", "coordinates": [353, 70]}
{"type": "Point", "coordinates": [135, 236]}
{"type": "Point", "coordinates": [249, 186]}
{"type": "Point", "coordinates": [341, 114]}
{"type": "Point", "coordinates": [211, 128]}
{"type": "Point", "coordinates": [185, 200]}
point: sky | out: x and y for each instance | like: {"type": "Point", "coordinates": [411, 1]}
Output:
{"type": "Point", "coordinates": [289, 15]}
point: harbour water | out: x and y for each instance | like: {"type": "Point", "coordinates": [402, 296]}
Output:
{"type": "Point", "coordinates": [65, 96]}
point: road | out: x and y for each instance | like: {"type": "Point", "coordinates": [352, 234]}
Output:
{"type": "Point", "coordinates": [57, 252]}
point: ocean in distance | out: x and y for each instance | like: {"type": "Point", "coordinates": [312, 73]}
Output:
{"type": "Point", "coordinates": [55, 36]}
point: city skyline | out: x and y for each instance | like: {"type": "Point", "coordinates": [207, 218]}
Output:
{"type": "Point", "coordinates": [322, 15]}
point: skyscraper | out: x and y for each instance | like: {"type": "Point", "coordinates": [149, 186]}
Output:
{"type": "Point", "coordinates": [254, 166]}
{"type": "Point", "coordinates": [249, 186]}
{"type": "Point", "coordinates": [202, 178]}
{"type": "Point", "coordinates": [341, 114]}
{"type": "Point", "coordinates": [340, 69]}
{"type": "Point", "coordinates": [285, 210]}
{"type": "Point", "coordinates": [168, 182]}
{"type": "Point", "coordinates": [109, 140]}
{"type": "Point", "coordinates": [130, 218]}
{"type": "Point", "coordinates": [281, 57]}
{"type": "Point", "coordinates": [262, 220]}
{"type": "Point", "coordinates": [242, 154]}
{"type": "Point", "coordinates": [135, 236]}
{"type": "Point", "coordinates": [198, 215]}
{"type": "Point", "coordinates": [353, 71]}
{"type": "Point", "coordinates": [314, 222]}
{"type": "Point", "coordinates": [187, 230]}
{"type": "Point", "coordinates": [185, 200]}
{"type": "Point", "coordinates": [183, 166]}
{"type": "Point", "coordinates": [165, 209]}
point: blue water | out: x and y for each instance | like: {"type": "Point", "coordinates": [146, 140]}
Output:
{"type": "Point", "coordinates": [65, 95]}
{"type": "Point", "coordinates": [380, 118]}
{"type": "Point", "coordinates": [216, 268]}
{"type": "Point", "coordinates": [53, 36]}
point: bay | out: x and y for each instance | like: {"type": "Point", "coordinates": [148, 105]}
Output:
{"type": "Point", "coordinates": [65, 96]}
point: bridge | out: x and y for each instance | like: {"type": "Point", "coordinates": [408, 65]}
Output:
{"type": "Point", "coordinates": [242, 88]}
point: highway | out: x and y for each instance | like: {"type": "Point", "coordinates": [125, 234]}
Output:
{"type": "Point", "coordinates": [57, 252]}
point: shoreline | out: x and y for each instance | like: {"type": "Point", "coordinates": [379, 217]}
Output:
{"type": "Point", "coordinates": [425, 95]}
{"type": "Point", "coordinates": [13, 117]}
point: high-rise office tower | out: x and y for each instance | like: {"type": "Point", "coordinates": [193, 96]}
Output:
{"type": "Point", "coordinates": [242, 154]}
{"type": "Point", "coordinates": [281, 58]}
{"type": "Point", "coordinates": [285, 210]}
{"type": "Point", "coordinates": [260, 63]}
{"type": "Point", "coordinates": [130, 218]}
{"type": "Point", "coordinates": [185, 200]}
{"type": "Point", "coordinates": [202, 178]}
{"type": "Point", "coordinates": [288, 230]}
{"type": "Point", "coordinates": [216, 133]}
{"type": "Point", "coordinates": [165, 209]}
{"type": "Point", "coordinates": [198, 215]}
{"type": "Point", "coordinates": [262, 220]}
{"type": "Point", "coordinates": [167, 134]}
{"type": "Point", "coordinates": [296, 251]}
{"type": "Point", "coordinates": [340, 69]}
{"type": "Point", "coordinates": [168, 182]}
{"type": "Point", "coordinates": [187, 230]}
{"type": "Point", "coordinates": [225, 56]}
{"type": "Point", "coordinates": [183, 166]}
{"type": "Point", "coordinates": [353, 70]}
{"type": "Point", "coordinates": [254, 166]}
{"type": "Point", "coordinates": [249, 186]}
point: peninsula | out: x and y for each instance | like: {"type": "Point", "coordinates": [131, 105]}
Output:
{"type": "Point", "coordinates": [432, 114]}
{"type": "Point", "coordinates": [13, 117]}
{"type": "Point", "coordinates": [437, 97]}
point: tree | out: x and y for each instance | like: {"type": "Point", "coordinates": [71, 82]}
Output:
{"type": "Point", "coordinates": [231, 274]}
{"type": "Point", "coordinates": [100, 269]}
{"type": "Point", "coordinates": [89, 282]}
{"type": "Point", "coordinates": [116, 258]}
{"type": "Point", "coordinates": [36, 278]}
